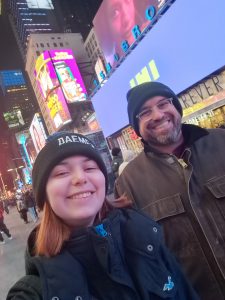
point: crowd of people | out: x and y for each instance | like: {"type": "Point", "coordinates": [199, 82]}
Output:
{"type": "Point", "coordinates": [162, 237]}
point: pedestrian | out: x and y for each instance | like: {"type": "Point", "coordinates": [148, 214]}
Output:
{"type": "Point", "coordinates": [116, 160]}
{"type": "Point", "coordinates": [3, 228]}
{"type": "Point", "coordinates": [128, 155]}
{"type": "Point", "coordinates": [30, 204]}
{"type": "Point", "coordinates": [83, 249]}
{"type": "Point", "coordinates": [22, 207]}
{"type": "Point", "coordinates": [179, 180]}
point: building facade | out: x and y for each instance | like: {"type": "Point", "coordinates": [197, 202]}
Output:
{"type": "Point", "coordinates": [31, 16]}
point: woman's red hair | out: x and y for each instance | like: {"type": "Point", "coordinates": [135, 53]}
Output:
{"type": "Point", "coordinates": [53, 232]}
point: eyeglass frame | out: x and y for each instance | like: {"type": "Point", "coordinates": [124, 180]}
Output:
{"type": "Point", "coordinates": [170, 101]}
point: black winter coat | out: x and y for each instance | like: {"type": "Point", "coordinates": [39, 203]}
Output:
{"type": "Point", "coordinates": [122, 258]}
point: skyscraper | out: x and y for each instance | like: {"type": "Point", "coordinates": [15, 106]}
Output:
{"type": "Point", "coordinates": [78, 15]}
{"type": "Point", "coordinates": [31, 16]}
{"type": "Point", "coordinates": [17, 105]}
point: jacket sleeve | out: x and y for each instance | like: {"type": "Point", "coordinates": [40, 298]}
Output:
{"type": "Point", "coordinates": [27, 288]}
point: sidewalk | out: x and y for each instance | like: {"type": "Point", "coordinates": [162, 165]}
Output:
{"type": "Point", "coordinates": [12, 253]}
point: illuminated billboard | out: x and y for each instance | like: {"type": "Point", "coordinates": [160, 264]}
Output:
{"type": "Point", "coordinates": [37, 133]}
{"type": "Point", "coordinates": [121, 21]}
{"type": "Point", "coordinates": [14, 118]}
{"type": "Point", "coordinates": [40, 4]}
{"type": "Point", "coordinates": [51, 89]}
{"type": "Point", "coordinates": [100, 70]}
{"type": "Point", "coordinates": [181, 49]}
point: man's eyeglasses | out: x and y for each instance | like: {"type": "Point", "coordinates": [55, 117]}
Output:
{"type": "Point", "coordinates": [161, 105]}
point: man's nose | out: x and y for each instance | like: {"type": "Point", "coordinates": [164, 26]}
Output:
{"type": "Point", "coordinates": [156, 114]}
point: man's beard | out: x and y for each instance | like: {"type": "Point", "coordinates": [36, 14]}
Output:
{"type": "Point", "coordinates": [167, 139]}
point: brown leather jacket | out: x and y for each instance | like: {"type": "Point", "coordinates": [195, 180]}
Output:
{"type": "Point", "coordinates": [187, 197]}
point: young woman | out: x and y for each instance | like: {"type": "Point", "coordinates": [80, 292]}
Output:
{"type": "Point", "coordinates": [83, 250]}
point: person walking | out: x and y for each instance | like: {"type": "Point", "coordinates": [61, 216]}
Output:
{"type": "Point", "coordinates": [116, 160]}
{"type": "Point", "coordinates": [22, 207]}
{"type": "Point", "coordinates": [3, 228]}
{"type": "Point", "coordinates": [30, 204]}
{"type": "Point", "coordinates": [85, 249]}
{"type": "Point", "coordinates": [179, 180]}
{"type": "Point", "coordinates": [128, 155]}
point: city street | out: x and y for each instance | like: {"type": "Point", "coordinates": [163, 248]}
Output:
{"type": "Point", "coordinates": [12, 253]}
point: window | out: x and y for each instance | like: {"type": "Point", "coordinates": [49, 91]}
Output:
{"type": "Point", "coordinates": [48, 45]}
{"type": "Point", "coordinates": [42, 45]}
{"type": "Point", "coordinates": [38, 53]}
{"type": "Point", "coordinates": [61, 45]}
{"type": "Point", "coordinates": [55, 45]}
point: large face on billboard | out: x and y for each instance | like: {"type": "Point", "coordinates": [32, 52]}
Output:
{"type": "Point", "coordinates": [115, 21]}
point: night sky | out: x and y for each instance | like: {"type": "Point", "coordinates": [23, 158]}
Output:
{"type": "Point", "coordinates": [10, 57]}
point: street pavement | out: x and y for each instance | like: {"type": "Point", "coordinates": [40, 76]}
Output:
{"type": "Point", "coordinates": [12, 253]}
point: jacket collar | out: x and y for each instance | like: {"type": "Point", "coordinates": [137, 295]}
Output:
{"type": "Point", "coordinates": [191, 134]}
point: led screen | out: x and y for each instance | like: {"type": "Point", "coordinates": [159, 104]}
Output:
{"type": "Point", "coordinates": [37, 133]}
{"type": "Point", "coordinates": [115, 22]}
{"type": "Point", "coordinates": [69, 75]}
{"type": "Point", "coordinates": [181, 49]}
{"type": "Point", "coordinates": [51, 90]}
{"type": "Point", "coordinates": [41, 4]}
{"type": "Point", "coordinates": [14, 118]}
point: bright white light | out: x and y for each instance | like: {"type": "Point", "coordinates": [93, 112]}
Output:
{"type": "Point", "coordinates": [41, 4]}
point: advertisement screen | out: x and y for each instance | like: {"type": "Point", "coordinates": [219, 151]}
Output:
{"type": "Point", "coordinates": [100, 69]}
{"type": "Point", "coordinates": [51, 89]}
{"type": "Point", "coordinates": [37, 133]}
{"type": "Point", "coordinates": [14, 118]}
{"type": "Point", "coordinates": [115, 20]}
{"type": "Point", "coordinates": [40, 4]}
{"type": "Point", "coordinates": [181, 49]}
{"type": "Point", "coordinates": [69, 75]}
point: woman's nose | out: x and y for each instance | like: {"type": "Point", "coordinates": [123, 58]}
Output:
{"type": "Point", "coordinates": [78, 177]}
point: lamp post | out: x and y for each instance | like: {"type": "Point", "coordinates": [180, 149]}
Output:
{"type": "Point", "coordinates": [3, 185]}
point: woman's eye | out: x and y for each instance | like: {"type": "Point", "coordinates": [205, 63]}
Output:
{"type": "Point", "coordinates": [61, 173]}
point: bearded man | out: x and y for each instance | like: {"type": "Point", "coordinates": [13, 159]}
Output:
{"type": "Point", "coordinates": [179, 180]}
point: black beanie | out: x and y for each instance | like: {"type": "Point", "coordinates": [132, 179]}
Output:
{"type": "Point", "coordinates": [58, 147]}
{"type": "Point", "coordinates": [137, 96]}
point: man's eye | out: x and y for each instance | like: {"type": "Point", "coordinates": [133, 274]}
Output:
{"type": "Point", "coordinates": [163, 104]}
{"type": "Point", "coordinates": [145, 113]}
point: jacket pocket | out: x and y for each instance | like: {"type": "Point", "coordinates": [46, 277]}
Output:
{"type": "Point", "coordinates": [165, 207]}
{"type": "Point", "coordinates": [217, 186]}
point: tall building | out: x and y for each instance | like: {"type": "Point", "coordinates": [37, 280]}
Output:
{"type": "Point", "coordinates": [93, 47]}
{"type": "Point", "coordinates": [31, 16]}
{"type": "Point", "coordinates": [17, 102]}
{"type": "Point", "coordinates": [78, 15]}
{"type": "Point", "coordinates": [60, 43]}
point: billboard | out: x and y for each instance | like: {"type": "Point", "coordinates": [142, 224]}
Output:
{"type": "Point", "coordinates": [63, 71]}
{"type": "Point", "coordinates": [14, 118]}
{"type": "Point", "coordinates": [100, 69]}
{"type": "Point", "coordinates": [122, 20]}
{"type": "Point", "coordinates": [181, 49]}
{"type": "Point", "coordinates": [40, 4]}
{"type": "Point", "coordinates": [37, 133]}
{"type": "Point", "coordinates": [51, 90]}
